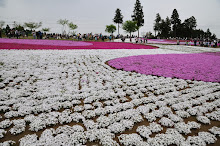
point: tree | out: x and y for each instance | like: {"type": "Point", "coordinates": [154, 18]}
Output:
{"type": "Point", "coordinates": [63, 22]}
{"type": "Point", "coordinates": [118, 19]}
{"type": "Point", "coordinates": [149, 35]}
{"type": "Point", "coordinates": [130, 26]}
{"type": "Point", "coordinates": [192, 23]}
{"type": "Point", "coordinates": [189, 26]}
{"type": "Point", "coordinates": [214, 37]}
{"type": "Point", "coordinates": [2, 23]}
{"type": "Point", "coordinates": [208, 33]}
{"type": "Point", "coordinates": [72, 26]}
{"type": "Point", "coordinates": [165, 28]}
{"type": "Point", "coordinates": [157, 23]}
{"type": "Point", "coordinates": [18, 26]}
{"type": "Point", "coordinates": [45, 30]}
{"type": "Point", "coordinates": [32, 25]}
{"type": "Point", "coordinates": [199, 33]}
{"type": "Point", "coordinates": [138, 15]}
{"type": "Point", "coordinates": [110, 29]}
{"type": "Point", "coordinates": [175, 21]}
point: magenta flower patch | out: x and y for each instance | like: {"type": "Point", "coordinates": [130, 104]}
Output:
{"type": "Point", "coordinates": [64, 45]}
{"type": "Point", "coordinates": [44, 42]}
{"type": "Point", "coordinates": [200, 67]}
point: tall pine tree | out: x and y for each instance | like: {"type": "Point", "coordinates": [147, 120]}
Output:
{"type": "Point", "coordinates": [157, 23]}
{"type": "Point", "coordinates": [138, 15]}
{"type": "Point", "coordinates": [175, 21]}
{"type": "Point", "coordinates": [118, 19]}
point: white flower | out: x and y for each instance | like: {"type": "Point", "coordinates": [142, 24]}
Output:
{"type": "Point", "coordinates": [29, 118]}
{"type": "Point", "coordinates": [95, 134]}
{"type": "Point", "coordinates": [193, 125]}
{"type": "Point", "coordinates": [150, 117]}
{"type": "Point", "coordinates": [166, 139]}
{"type": "Point", "coordinates": [75, 102]}
{"type": "Point", "coordinates": [108, 142]}
{"type": "Point", "coordinates": [166, 122]}
{"type": "Point", "coordinates": [65, 117]}
{"type": "Point", "coordinates": [77, 117]}
{"type": "Point", "coordinates": [4, 108]}
{"type": "Point", "coordinates": [78, 108]}
{"type": "Point", "coordinates": [143, 109]}
{"type": "Point", "coordinates": [47, 136]}
{"type": "Point", "coordinates": [28, 140]}
{"type": "Point", "coordinates": [78, 138]}
{"type": "Point", "coordinates": [144, 131]}
{"type": "Point", "coordinates": [90, 124]}
{"type": "Point", "coordinates": [182, 128]}
{"type": "Point", "coordinates": [103, 121]}
{"type": "Point", "coordinates": [88, 106]}
{"type": "Point", "coordinates": [203, 119]}
{"type": "Point", "coordinates": [193, 111]}
{"type": "Point", "coordinates": [161, 103]}
{"type": "Point", "coordinates": [19, 126]}
{"type": "Point", "coordinates": [2, 132]}
{"type": "Point", "coordinates": [154, 127]}
{"type": "Point", "coordinates": [215, 130]}
{"type": "Point", "coordinates": [182, 114]}
{"type": "Point", "coordinates": [207, 137]}
{"type": "Point", "coordinates": [196, 140]}
{"type": "Point", "coordinates": [97, 104]}
{"type": "Point", "coordinates": [6, 123]}
{"type": "Point", "coordinates": [11, 114]}
{"type": "Point", "coordinates": [175, 118]}
{"type": "Point", "coordinates": [8, 143]}
{"type": "Point", "coordinates": [158, 113]}
{"type": "Point", "coordinates": [89, 114]}
{"type": "Point", "coordinates": [215, 115]}
{"type": "Point", "coordinates": [116, 127]}
{"type": "Point", "coordinates": [131, 139]}
{"type": "Point", "coordinates": [129, 124]}
{"type": "Point", "coordinates": [61, 139]}
{"type": "Point", "coordinates": [37, 124]}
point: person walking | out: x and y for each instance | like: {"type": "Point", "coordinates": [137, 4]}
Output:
{"type": "Point", "coordinates": [145, 39]}
{"type": "Point", "coordinates": [110, 38]}
{"type": "Point", "coordinates": [17, 33]}
{"type": "Point", "coordinates": [123, 39]}
{"type": "Point", "coordinates": [178, 42]}
{"type": "Point", "coordinates": [34, 34]}
{"type": "Point", "coordinates": [40, 35]}
{"type": "Point", "coordinates": [103, 38]}
{"type": "Point", "coordinates": [195, 42]}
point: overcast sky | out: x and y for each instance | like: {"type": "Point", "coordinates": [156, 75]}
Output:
{"type": "Point", "coordinates": [94, 15]}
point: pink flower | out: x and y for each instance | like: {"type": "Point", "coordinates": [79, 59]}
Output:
{"type": "Point", "coordinates": [64, 45]}
{"type": "Point", "coordinates": [203, 66]}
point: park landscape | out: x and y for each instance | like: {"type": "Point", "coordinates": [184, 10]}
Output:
{"type": "Point", "coordinates": [111, 91]}
{"type": "Point", "coordinates": [144, 95]}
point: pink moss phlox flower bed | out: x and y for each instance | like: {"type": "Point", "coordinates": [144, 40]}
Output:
{"type": "Point", "coordinates": [172, 42]}
{"type": "Point", "coordinates": [64, 45]}
{"type": "Point", "coordinates": [44, 42]}
{"type": "Point", "coordinates": [200, 67]}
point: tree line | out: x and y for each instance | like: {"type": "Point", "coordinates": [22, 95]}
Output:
{"type": "Point", "coordinates": [173, 27]}
{"type": "Point", "coordinates": [32, 26]}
